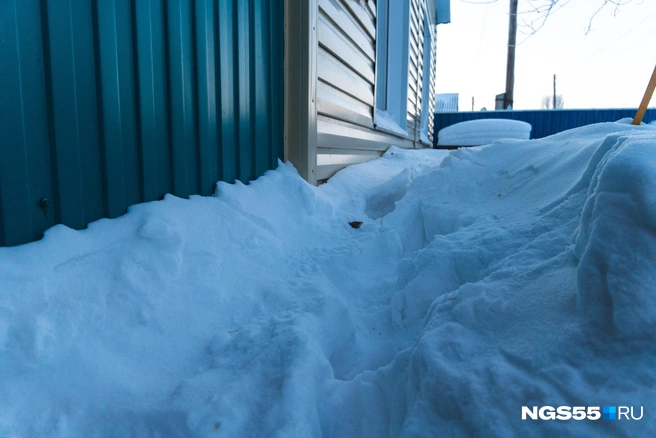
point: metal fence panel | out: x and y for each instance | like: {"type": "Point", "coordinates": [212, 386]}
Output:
{"type": "Point", "coordinates": [108, 104]}
{"type": "Point", "coordinates": [544, 122]}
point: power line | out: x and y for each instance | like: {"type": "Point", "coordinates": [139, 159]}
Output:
{"type": "Point", "coordinates": [609, 45]}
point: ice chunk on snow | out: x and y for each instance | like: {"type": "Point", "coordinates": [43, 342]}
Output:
{"type": "Point", "coordinates": [485, 131]}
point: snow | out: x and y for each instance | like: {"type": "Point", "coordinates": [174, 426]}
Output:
{"type": "Point", "coordinates": [483, 131]}
{"type": "Point", "coordinates": [481, 280]}
{"type": "Point", "coordinates": [385, 121]}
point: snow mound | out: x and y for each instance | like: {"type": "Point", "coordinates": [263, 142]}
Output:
{"type": "Point", "coordinates": [615, 243]}
{"type": "Point", "coordinates": [479, 281]}
{"type": "Point", "coordinates": [484, 131]}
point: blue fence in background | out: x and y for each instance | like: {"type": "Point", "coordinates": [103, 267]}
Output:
{"type": "Point", "coordinates": [105, 104]}
{"type": "Point", "coordinates": [544, 122]}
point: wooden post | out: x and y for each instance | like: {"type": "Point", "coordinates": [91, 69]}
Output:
{"type": "Point", "coordinates": [510, 67]}
{"type": "Point", "coordinates": [645, 99]}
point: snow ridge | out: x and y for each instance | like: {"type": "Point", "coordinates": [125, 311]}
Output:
{"type": "Point", "coordinates": [480, 281]}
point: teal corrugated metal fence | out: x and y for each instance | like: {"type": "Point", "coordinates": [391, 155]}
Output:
{"type": "Point", "coordinates": [105, 104]}
{"type": "Point", "coordinates": [544, 122]}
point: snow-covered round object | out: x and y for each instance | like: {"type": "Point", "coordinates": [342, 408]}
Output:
{"type": "Point", "coordinates": [484, 131]}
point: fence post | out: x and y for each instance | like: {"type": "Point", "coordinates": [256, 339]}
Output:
{"type": "Point", "coordinates": [645, 99]}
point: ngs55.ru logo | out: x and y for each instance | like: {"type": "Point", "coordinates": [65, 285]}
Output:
{"type": "Point", "coordinates": [581, 413]}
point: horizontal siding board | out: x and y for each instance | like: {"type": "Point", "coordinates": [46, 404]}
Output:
{"type": "Point", "coordinates": [415, 55]}
{"type": "Point", "coordinates": [333, 41]}
{"type": "Point", "coordinates": [419, 41]}
{"type": "Point", "coordinates": [324, 158]}
{"type": "Point", "coordinates": [336, 134]}
{"type": "Point", "coordinates": [371, 6]}
{"type": "Point", "coordinates": [412, 108]}
{"type": "Point", "coordinates": [414, 51]}
{"type": "Point", "coordinates": [414, 23]}
{"type": "Point", "coordinates": [334, 10]}
{"type": "Point", "coordinates": [334, 72]}
{"type": "Point", "coordinates": [412, 99]}
{"type": "Point", "coordinates": [414, 13]}
{"type": "Point", "coordinates": [328, 92]}
{"type": "Point", "coordinates": [332, 157]}
{"type": "Point", "coordinates": [414, 62]}
{"type": "Point", "coordinates": [414, 40]}
{"type": "Point", "coordinates": [333, 103]}
{"type": "Point", "coordinates": [418, 6]}
{"type": "Point", "coordinates": [361, 16]}
{"type": "Point", "coordinates": [413, 73]}
{"type": "Point", "coordinates": [412, 88]}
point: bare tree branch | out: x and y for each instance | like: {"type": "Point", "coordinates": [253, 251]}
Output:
{"type": "Point", "coordinates": [617, 4]}
{"type": "Point", "coordinates": [547, 102]}
{"type": "Point", "coordinates": [537, 12]}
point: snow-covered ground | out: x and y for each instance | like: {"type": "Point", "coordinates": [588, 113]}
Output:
{"type": "Point", "coordinates": [516, 274]}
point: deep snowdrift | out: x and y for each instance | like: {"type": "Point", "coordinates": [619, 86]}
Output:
{"type": "Point", "coordinates": [516, 274]}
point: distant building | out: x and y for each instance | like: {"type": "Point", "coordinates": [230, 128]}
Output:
{"type": "Point", "coordinates": [446, 102]}
{"type": "Point", "coordinates": [498, 101]}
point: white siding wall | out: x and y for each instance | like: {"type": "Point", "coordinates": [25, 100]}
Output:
{"type": "Point", "coordinates": [346, 72]}
{"type": "Point", "coordinates": [431, 92]}
{"type": "Point", "coordinates": [428, 105]}
{"type": "Point", "coordinates": [416, 68]}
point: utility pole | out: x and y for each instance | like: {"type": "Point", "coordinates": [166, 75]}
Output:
{"type": "Point", "coordinates": [510, 68]}
{"type": "Point", "coordinates": [554, 97]}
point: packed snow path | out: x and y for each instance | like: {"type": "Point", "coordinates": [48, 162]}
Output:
{"type": "Point", "coordinates": [515, 274]}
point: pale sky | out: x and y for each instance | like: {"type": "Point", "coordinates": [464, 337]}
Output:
{"type": "Point", "coordinates": [608, 68]}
